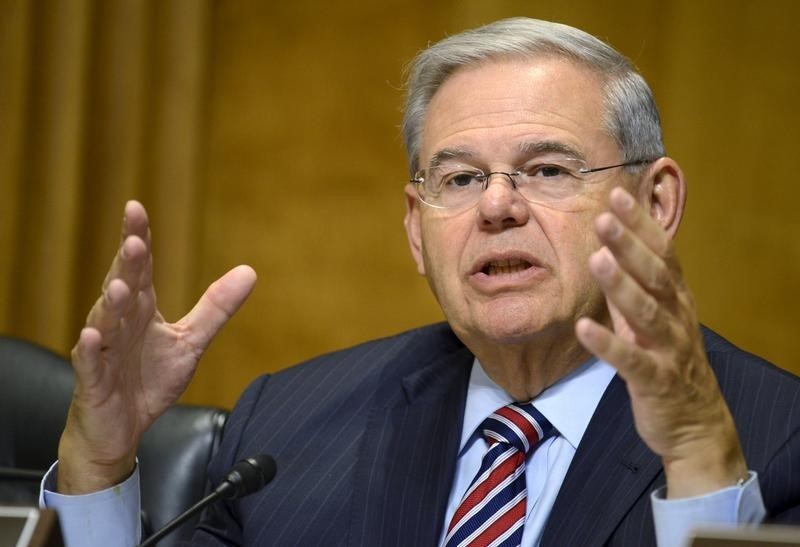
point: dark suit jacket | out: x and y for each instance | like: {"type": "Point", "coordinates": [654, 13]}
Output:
{"type": "Point", "coordinates": [366, 441]}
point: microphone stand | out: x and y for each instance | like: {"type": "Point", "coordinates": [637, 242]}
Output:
{"type": "Point", "coordinates": [183, 517]}
{"type": "Point", "coordinates": [247, 476]}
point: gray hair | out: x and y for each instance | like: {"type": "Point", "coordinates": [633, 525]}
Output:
{"type": "Point", "coordinates": [631, 116]}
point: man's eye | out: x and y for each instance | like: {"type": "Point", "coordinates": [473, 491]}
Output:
{"type": "Point", "coordinates": [548, 171]}
{"type": "Point", "coordinates": [459, 180]}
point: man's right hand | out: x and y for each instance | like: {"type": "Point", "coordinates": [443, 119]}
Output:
{"type": "Point", "coordinates": [130, 364]}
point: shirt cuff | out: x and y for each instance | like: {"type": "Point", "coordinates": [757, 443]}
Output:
{"type": "Point", "coordinates": [675, 520]}
{"type": "Point", "coordinates": [108, 518]}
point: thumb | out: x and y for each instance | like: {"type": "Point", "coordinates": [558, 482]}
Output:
{"type": "Point", "coordinates": [221, 300]}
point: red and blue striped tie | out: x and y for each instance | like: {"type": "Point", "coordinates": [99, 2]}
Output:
{"type": "Point", "coordinates": [492, 511]}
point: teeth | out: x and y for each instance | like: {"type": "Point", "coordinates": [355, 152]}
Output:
{"type": "Point", "coordinates": [506, 266]}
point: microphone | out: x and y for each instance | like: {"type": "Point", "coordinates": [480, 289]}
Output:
{"type": "Point", "coordinates": [246, 477]}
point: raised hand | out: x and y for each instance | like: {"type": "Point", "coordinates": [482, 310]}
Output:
{"type": "Point", "coordinates": [130, 364]}
{"type": "Point", "coordinates": [657, 348]}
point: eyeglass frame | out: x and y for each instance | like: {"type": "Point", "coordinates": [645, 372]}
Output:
{"type": "Point", "coordinates": [418, 181]}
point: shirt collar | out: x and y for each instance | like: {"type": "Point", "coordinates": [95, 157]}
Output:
{"type": "Point", "coordinates": [569, 403]}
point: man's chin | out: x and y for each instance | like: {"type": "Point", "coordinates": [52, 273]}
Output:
{"type": "Point", "coordinates": [510, 331]}
{"type": "Point", "coordinates": [513, 335]}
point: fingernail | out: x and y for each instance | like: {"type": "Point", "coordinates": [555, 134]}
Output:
{"type": "Point", "coordinates": [627, 201]}
{"type": "Point", "coordinates": [614, 229]}
{"type": "Point", "coordinates": [605, 267]}
{"type": "Point", "coordinates": [585, 327]}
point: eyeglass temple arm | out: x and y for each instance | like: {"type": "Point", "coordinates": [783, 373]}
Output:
{"type": "Point", "coordinates": [626, 164]}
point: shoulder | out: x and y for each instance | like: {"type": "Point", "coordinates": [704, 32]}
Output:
{"type": "Point", "coordinates": [398, 354]}
{"type": "Point", "coordinates": [734, 366]}
{"type": "Point", "coordinates": [339, 376]}
{"type": "Point", "coordinates": [326, 394]}
{"type": "Point", "coordinates": [365, 356]}
{"type": "Point", "coordinates": [764, 399]}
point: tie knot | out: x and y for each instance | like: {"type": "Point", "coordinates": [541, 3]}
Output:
{"type": "Point", "coordinates": [517, 424]}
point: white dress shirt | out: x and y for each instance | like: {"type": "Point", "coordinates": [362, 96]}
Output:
{"type": "Point", "coordinates": [569, 405]}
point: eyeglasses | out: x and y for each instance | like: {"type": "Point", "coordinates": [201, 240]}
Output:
{"type": "Point", "coordinates": [543, 180]}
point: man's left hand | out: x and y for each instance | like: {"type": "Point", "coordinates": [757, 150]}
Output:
{"type": "Point", "coordinates": [657, 348]}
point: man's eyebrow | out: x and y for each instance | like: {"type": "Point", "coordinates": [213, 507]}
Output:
{"type": "Point", "coordinates": [447, 154]}
{"type": "Point", "coordinates": [528, 148]}
{"type": "Point", "coordinates": [533, 148]}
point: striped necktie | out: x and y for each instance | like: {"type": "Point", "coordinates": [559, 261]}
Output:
{"type": "Point", "coordinates": [492, 511]}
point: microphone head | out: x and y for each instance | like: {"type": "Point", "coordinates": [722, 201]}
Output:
{"type": "Point", "coordinates": [248, 476]}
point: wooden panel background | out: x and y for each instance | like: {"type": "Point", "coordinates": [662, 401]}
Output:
{"type": "Point", "coordinates": [267, 133]}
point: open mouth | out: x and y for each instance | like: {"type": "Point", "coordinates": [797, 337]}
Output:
{"type": "Point", "coordinates": [505, 267]}
{"type": "Point", "coordinates": [510, 271]}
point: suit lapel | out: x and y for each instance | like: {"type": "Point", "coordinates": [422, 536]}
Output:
{"type": "Point", "coordinates": [407, 460]}
{"type": "Point", "coordinates": [612, 468]}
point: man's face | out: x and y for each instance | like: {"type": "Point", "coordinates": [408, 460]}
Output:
{"type": "Point", "coordinates": [509, 271]}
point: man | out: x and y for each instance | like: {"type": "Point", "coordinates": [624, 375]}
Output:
{"type": "Point", "coordinates": [541, 211]}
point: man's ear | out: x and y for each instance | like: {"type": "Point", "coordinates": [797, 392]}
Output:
{"type": "Point", "coordinates": [662, 191]}
{"type": "Point", "coordinates": [413, 228]}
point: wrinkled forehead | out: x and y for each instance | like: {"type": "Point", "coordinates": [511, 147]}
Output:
{"type": "Point", "coordinates": [496, 105]}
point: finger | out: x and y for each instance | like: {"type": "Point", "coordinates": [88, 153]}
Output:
{"type": "Point", "coordinates": [138, 275]}
{"type": "Point", "coordinates": [134, 239]}
{"type": "Point", "coordinates": [218, 304]}
{"type": "Point", "coordinates": [86, 358]}
{"type": "Point", "coordinates": [632, 363]}
{"type": "Point", "coordinates": [644, 226]}
{"type": "Point", "coordinates": [140, 311]}
{"type": "Point", "coordinates": [106, 313]}
{"type": "Point", "coordinates": [637, 259]}
{"type": "Point", "coordinates": [643, 314]}
{"type": "Point", "coordinates": [133, 261]}
{"type": "Point", "coordinates": [129, 262]}
{"type": "Point", "coordinates": [135, 222]}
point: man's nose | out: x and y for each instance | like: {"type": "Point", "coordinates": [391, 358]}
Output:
{"type": "Point", "coordinates": [501, 206]}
